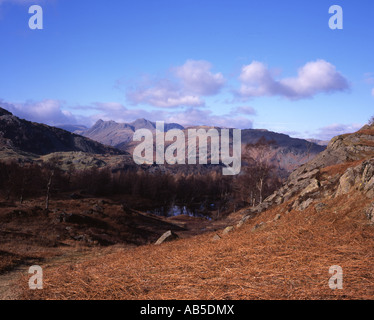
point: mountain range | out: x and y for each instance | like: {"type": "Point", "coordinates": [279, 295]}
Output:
{"type": "Point", "coordinates": [286, 154]}
{"type": "Point", "coordinates": [19, 136]}
{"type": "Point", "coordinates": [117, 134]}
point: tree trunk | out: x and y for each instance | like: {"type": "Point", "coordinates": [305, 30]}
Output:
{"type": "Point", "coordinates": [48, 190]}
{"type": "Point", "coordinates": [260, 189]}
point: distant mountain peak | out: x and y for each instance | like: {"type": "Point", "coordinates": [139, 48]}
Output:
{"type": "Point", "coordinates": [143, 124]}
{"type": "Point", "coordinates": [141, 120]}
{"type": "Point", "coordinates": [115, 133]}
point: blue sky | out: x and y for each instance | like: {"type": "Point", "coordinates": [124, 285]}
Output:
{"type": "Point", "coordinates": [250, 64]}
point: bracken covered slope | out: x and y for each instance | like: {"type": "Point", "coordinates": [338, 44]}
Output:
{"type": "Point", "coordinates": [283, 253]}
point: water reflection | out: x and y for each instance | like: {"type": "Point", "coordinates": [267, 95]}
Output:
{"type": "Point", "coordinates": [175, 210]}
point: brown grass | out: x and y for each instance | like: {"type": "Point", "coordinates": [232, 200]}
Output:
{"type": "Point", "coordinates": [287, 259]}
{"type": "Point", "coordinates": [369, 132]}
{"type": "Point", "coordinates": [367, 143]}
{"type": "Point", "coordinates": [340, 168]}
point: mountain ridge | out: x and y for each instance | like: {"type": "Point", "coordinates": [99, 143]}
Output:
{"type": "Point", "coordinates": [115, 133]}
{"type": "Point", "coordinates": [40, 139]}
{"type": "Point", "coordinates": [287, 153]}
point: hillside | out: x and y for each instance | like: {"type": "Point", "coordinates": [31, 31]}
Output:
{"type": "Point", "coordinates": [351, 152]}
{"type": "Point", "coordinates": [287, 153]}
{"type": "Point", "coordinates": [283, 249]}
{"type": "Point", "coordinates": [21, 136]}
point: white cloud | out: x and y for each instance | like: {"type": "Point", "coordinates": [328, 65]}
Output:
{"type": "Point", "coordinates": [191, 81]}
{"type": "Point", "coordinates": [163, 94]}
{"type": "Point", "coordinates": [196, 78]}
{"type": "Point", "coordinates": [195, 116]}
{"type": "Point", "coordinates": [245, 110]}
{"type": "Point", "coordinates": [313, 78]}
{"type": "Point", "coordinates": [188, 117]}
{"type": "Point", "coordinates": [46, 111]}
{"type": "Point", "coordinates": [369, 78]}
{"type": "Point", "coordinates": [328, 132]}
{"type": "Point", "coordinates": [51, 112]}
{"type": "Point", "coordinates": [113, 111]}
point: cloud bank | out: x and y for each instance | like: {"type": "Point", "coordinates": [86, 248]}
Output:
{"type": "Point", "coordinates": [313, 78]}
{"type": "Point", "coordinates": [189, 83]}
{"type": "Point", "coordinates": [52, 112]}
{"type": "Point", "coordinates": [328, 132]}
{"type": "Point", "coordinates": [47, 111]}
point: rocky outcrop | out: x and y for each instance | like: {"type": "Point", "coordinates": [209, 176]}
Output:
{"type": "Point", "coordinates": [360, 177]}
{"type": "Point", "coordinates": [312, 181]}
{"type": "Point", "coordinates": [370, 213]}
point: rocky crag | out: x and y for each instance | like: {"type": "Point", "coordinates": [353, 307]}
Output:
{"type": "Point", "coordinates": [346, 165]}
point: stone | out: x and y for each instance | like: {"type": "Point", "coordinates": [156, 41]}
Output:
{"type": "Point", "coordinates": [370, 213]}
{"type": "Point", "coordinates": [244, 220]}
{"type": "Point", "coordinates": [346, 182]}
{"type": "Point", "coordinates": [216, 237]}
{"type": "Point", "coordinates": [261, 207]}
{"type": "Point", "coordinates": [320, 206]}
{"type": "Point", "coordinates": [308, 175]}
{"type": "Point", "coordinates": [369, 188]}
{"type": "Point", "coordinates": [277, 217]}
{"type": "Point", "coordinates": [271, 197]}
{"type": "Point", "coordinates": [312, 187]}
{"type": "Point", "coordinates": [305, 204]}
{"type": "Point", "coordinates": [228, 230]}
{"type": "Point", "coordinates": [278, 200]}
{"type": "Point", "coordinates": [257, 226]}
{"type": "Point", "coordinates": [368, 172]}
{"type": "Point", "coordinates": [166, 237]}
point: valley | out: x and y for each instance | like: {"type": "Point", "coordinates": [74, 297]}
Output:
{"type": "Point", "coordinates": [81, 215]}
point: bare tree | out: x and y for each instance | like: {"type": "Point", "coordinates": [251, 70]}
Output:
{"type": "Point", "coordinates": [49, 190]}
{"type": "Point", "coordinates": [259, 168]}
{"type": "Point", "coordinates": [52, 165]}
{"type": "Point", "coordinates": [371, 121]}
{"type": "Point", "coordinates": [309, 147]}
